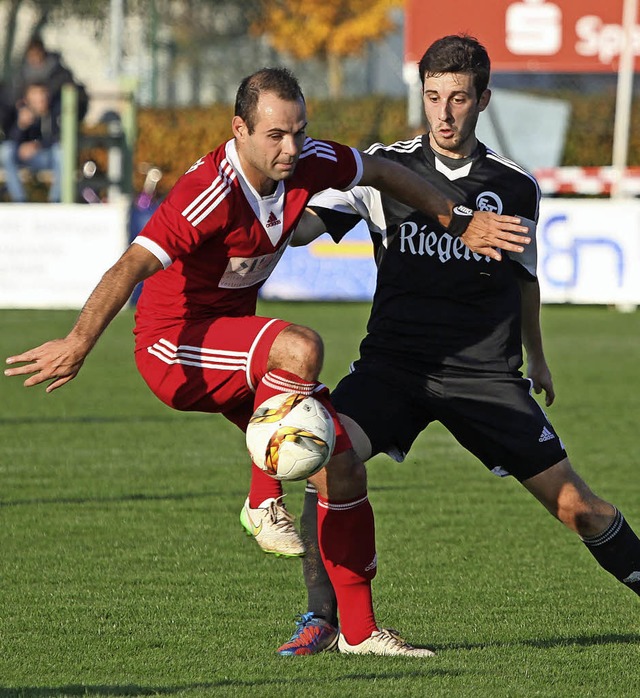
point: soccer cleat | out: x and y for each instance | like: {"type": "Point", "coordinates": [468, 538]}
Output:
{"type": "Point", "coordinates": [385, 642]}
{"type": "Point", "coordinates": [312, 635]}
{"type": "Point", "coordinates": [272, 527]}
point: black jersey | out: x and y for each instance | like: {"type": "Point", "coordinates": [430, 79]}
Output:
{"type": "Point", "coordinates": [436, 303]}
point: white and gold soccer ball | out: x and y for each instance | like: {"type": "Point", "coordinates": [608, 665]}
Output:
{"type": "Point", "coordinates": [291, 436]}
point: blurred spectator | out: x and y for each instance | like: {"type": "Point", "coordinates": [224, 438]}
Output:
{"type": "Point", "coordinates": [7, 111]}
{"type": "Point", "coordinates": [45, 67]}
{"type": "Point", "coordinates": [33, 142]}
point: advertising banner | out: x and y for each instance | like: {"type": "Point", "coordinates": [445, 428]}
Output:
{"type": "Point", "coordinates": [536, 35]}
{"type": "Point", "coordinates": [588, 252]}
{"type": "Point", "coordinates": [53, 255]}
{"type": "Point", "coordinates": [324, 270]}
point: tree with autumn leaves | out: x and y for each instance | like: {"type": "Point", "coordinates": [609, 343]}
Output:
{"type": "Point", "coordinates": [330, 30]}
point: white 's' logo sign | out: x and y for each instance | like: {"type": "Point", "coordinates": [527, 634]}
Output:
{"type": "Point", "coordinates": [533, 28]}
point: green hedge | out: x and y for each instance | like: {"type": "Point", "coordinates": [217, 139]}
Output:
{"type": "Point", "coordinates": [172, 139]}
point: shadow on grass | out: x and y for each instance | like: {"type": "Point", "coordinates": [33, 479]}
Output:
{"type": "Point", "coordinates": [120, 419]}
{"type": "Point", "coordinates": [132, 690]}
{"type": "Point", "coordinates": [546, 643]}
{"type": "Point", "coordinates": [137, 497]}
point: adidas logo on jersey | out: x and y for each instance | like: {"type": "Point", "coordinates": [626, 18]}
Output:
{"type": "Point", "coordinates": [546, 435]}
{"type": "Point", "coordinates": [272, 220]}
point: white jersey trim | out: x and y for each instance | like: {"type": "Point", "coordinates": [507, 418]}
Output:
{"type": "Point", "coordinates": [269, 210]}
{"type": "Point", "coordinates": [492, 155]}
{"type": "Point", "coordinates": [453, 174]}
{"type": "Point", "coordinates": [251, 352]}
{"type": "Point", "coordinates": [322, 149]}
{"type": "Point", "coordinates": [529, 257]}
{"type": "Point", "coordinates": [398, 146]}
{"type": "Point", "coordinates": [211, 197]}
{"type": "Point", "coordinates": [155, 250]}
{"type": "Point", "coordinates": [359, 168]}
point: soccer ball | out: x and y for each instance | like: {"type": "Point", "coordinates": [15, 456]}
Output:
{"type": "Point", "coordinates": [291, 436]}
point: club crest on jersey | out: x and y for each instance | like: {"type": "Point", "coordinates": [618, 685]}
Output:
{"type": "Point", "coordinates": [489, 201]}
{"type": "Point", "coordinates": [195, 165]}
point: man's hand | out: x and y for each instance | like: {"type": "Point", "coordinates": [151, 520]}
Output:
{"type": "Point", "coordinates": [488, 230]}
{"type": "Point", "coordinates": [28, 149]}
{"type": "Point", "coordinates": [540, 375]}
{"type": "Point", "coordinates": [58, 361]}
{"type": "Point", "coordinates": [25, 117]}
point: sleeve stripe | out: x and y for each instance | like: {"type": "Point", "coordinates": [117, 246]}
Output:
{"type": "Point", "coordinates": [398, 146]}
{"type": "Point", "coordinates": [155, 250]}
{"type": "Point", "coordinates": [319, 149]}
{"type": "Point", "coordinates": [215, 192]}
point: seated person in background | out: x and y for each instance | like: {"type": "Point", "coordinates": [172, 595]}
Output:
{"type": "Point", "coordinates": [32, 142]}
{"type": "Point", "coordinates": [43, 67]}
{"type": "Point", "coordinates": [7, 110]}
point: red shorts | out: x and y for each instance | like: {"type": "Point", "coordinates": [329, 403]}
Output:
{"type": "Point", "coordinates": [208, 366]}
{"type": "Point", "coordinates": [215, 366]}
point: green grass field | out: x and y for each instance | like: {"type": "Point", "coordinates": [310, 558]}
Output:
{"type": "Point", "coordinates": [125, 572]}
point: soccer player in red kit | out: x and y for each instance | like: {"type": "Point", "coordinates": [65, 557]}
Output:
{"type": "Point", "coordinates": [203, 256]}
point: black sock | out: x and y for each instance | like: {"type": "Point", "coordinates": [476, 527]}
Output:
{"type": "Point", "coordinates": [321, 599]}
{"type": "Point", "coordinates": [617, 549]}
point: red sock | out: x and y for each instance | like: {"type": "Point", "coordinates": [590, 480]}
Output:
{"type": "Point", "coordinates": [280, 381]}
{"type": "Point", "coordinates": [347, 543]}
{"type": "Point", "coordinates": [264, 486]}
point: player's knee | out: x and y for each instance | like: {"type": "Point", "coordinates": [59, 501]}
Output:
{"type": "Point", "coordinates": [300, 350]}
{"type": "Point", "coordinates": [344, 477]}
{"type": "Point", "coordinates": [584, 513]}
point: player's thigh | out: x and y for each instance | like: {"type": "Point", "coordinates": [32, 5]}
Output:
{"type": "Point", "coordinates": [360, 442]}
{"type": "Point", "coordinates": [208, 366]}
{"type": "Point", "coordinates": [383, 411]}
{"type": "Point", "coordinates": [496, 417]}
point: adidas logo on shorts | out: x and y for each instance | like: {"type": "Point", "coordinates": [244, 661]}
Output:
{"type": "Point", "coordinates": [373, 564]}
{"type": "Point", "coordinates": [546, 435]}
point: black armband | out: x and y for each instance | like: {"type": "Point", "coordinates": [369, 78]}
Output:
{"type": "Point", "coordinates": [460, 218]}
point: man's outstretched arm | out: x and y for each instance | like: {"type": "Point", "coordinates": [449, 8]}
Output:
{"type": "Point", "coordinates": [481, 231]}
{"type": "Point", "coordinates": [60, 360]}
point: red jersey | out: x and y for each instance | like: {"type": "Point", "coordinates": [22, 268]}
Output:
{"type": "Point", "coordinates": [219, 240]}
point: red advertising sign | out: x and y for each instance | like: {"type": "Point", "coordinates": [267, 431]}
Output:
{"type": "Point", "coordinates": [572, 36]}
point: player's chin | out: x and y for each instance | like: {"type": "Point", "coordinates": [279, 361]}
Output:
{"type": "Point", "coordinates": [448, 141]}
{"type": "Point", "coordinates": [284, 171]}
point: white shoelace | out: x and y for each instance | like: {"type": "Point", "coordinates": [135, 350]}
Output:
{"type": "Point", "coordinates": [279, 515]}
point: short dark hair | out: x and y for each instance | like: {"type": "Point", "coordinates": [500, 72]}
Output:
{"type": "Point", "coordinates": [280, 81]}
{"type": "Point", "coordinates": [36, 43]}
{"type": "Point", "coordinates": [457, 53]}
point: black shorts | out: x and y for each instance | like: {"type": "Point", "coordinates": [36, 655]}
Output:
{"type": "Point", "coordinates": [493, 415]}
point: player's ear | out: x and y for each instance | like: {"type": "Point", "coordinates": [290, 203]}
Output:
{"type": "Point", "coordinates": [483, 102]}
{"type": "Point", "coordinates": [239, 127]}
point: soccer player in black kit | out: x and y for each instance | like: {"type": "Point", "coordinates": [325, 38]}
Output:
{"type": "Point", "coordinates": [446, 331]}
